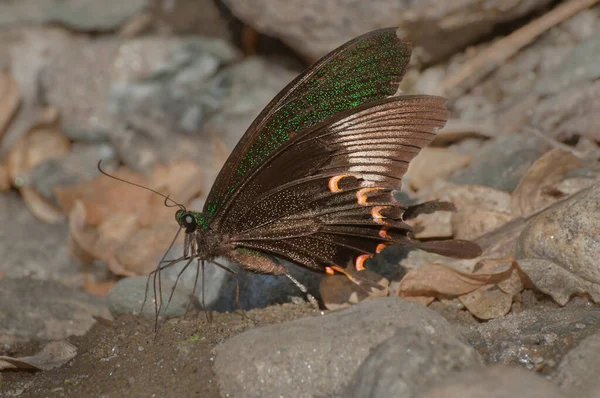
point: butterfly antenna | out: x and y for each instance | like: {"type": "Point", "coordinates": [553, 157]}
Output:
{"type": "Point", "coordinates": [167, 198]}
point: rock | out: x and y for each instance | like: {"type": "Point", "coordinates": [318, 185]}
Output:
{"type": "Point", "coordinates": [409, 363]}
{"type": "Point", "coordinates": [316, 355]}
{"type": "Point", "coordinates": [78, 166]}
{"type": "Point", "coordinates": [535, 337]}
{"type": "Point", "coordinates": [578, 371]}
{"type": "Point", "coordinates": [97, 84]}
{"type": "Point", "coordinates": [580, 66]}
{"type": "Point", "coordinates": [570, 112]}
{"type": "Point", "coordinates": [256, 291]}
{"type": "Point", "coordinates": [502, 162]}
{"type": "Point", "coordinates": [29, 248]}
{"type": "Point", "coordinates": [495, 382]}
{"type": "Point", "coordinates": [314, 28]}
{"type": "Point", "coordinates": [45, 310]}
{"type": "Point", "coordinates": [127, 296]}
{"type": "Point", "coordinates": [564, 234]}
{"type": "Point", "coordinates": [86, 15]}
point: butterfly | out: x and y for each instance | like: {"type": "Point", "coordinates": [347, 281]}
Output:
{"type": "Point", "coordinates": [312, 179]}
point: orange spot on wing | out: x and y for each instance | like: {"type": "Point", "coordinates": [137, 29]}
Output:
{"type": "Point", "coordinates": [359, 264]}
{"type": "Point", "coordinates": [376, 214]}
{"type": "Point", "coordinates": [383, 233]}
{"type": "Point", "coordinates": [380, 248]}
{"type": "Point", "coordinates": [329, 270]}
{"type": "Point", "coordinates": [361, 194]}
{"type": "Point", "coordinates": [333, 183]}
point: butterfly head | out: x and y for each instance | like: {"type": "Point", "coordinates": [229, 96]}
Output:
{"type": "Point", "coordinates": [190, 220]}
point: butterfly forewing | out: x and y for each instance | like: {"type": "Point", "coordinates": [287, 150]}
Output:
{"type": "Point", "coordinates": [365, 69]}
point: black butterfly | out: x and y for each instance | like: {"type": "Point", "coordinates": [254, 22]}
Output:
{"type": "Point", "coordinates": [312, 179]}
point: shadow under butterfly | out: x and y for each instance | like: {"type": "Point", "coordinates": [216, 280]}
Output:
{"type": "Point", "coordinates": [312, 179]}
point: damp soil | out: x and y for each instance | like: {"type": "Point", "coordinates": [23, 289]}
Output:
{"type": "Point", "coordinates": [124, 358]}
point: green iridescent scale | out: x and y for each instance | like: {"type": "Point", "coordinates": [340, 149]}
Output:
{"type": "Point", "coordinates": [365, 69]}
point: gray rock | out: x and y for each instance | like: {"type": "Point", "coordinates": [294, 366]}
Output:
{"type": "Point", "coordinates": [578, 371]}
{"type": "Point", "coordinates": [256, 291]}
{"type": "Point", "coordinates": [566, 235]}
{"type": "Point", "coordinates": [534, 337]}
{"type": "Point", "coordinates": [579, 66]}
{"type": "Point", "coordinates": [84, 15]}
{"type": "Point", "coordinates": [45, 310]}
{"type": "Point", "coordinates": [570, 112]}
{"type": "Point", "coordinates": [409, 363]}
{"type": "Point", "coordinates": [313, 27]}
{"type": "Point", "coordinates": [316, 356]}
{"type": "Point", "coordinates": [78, 166]}
{"type": "Point", "coordinates": [502, 162]}
{"type": "Point", "coordinates": [127, 296]}
{"type": "Point", "coordinates": [496, 382]}
{"type": "Point", "coordinates": [97, 84]}
{"type": "Point", "coordinates": [29, 248]}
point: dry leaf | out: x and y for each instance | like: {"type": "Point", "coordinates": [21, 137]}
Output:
{"type": "Point", "coordinates": [9, 100]}
{"type": "Point", "coordinates": [487, 302]}
{"type": "Point", "coordinates": [54, 355]}
{"type": "Point", "coordinates": [434, 225]}
{"type": "Point", "coordinates": [97, 288]}
{"type": "Point", "coordinates": [471, 224]}
{"type": "Point", "coordinates": [470, 197]}
{"type": "Point", "coordinates": [338, 291]}
{"type": "Point", "coordinates": [420, 172]}
{"type": "Point", "coordinates": [4, 179]}
{"type": "Point", "coordinates": [549, 169]}
{"type": "Point", "coordinates": [552, 279]}
{"type": "Point", "coordinates": [40, 207]}
{"type": "Point", "coordinates": [442, 280]}
{"type": "Point", "coordinates": [424, 300]}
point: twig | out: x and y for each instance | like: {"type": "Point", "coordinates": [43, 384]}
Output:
{"type": "Point", "coordinates": [489, 59]}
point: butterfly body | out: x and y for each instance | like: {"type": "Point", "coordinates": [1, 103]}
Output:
{"type": "Point", "coordinates": [312, 179]}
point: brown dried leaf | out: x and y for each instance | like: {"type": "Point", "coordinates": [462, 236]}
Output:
{"type": "Point", "coordinates": [470, 197]}
{"type": "Point", "coordinates": [552, 279]}
{"type": "Point", "coordinates": [97, 288]}
{"type": "Point", "coordinates": [54, 355]}
{"type": "Point", "coordinates": [424, 300]}
{"type": "Point", "coordinates": [421, 174]}
{"type": "Point", "coordinates": [139, 254]}
{"type": "Point", "coordinates": [549, 169]}
{"type": "Point", "coordinates": [434, 225]}
{"type": "Point", "coordinates": [338, 291]}
{"type": "Point", "coordinates": [471, 224]}
{"type": "Point", "coordinates": [42, 142]}
{"type": "Point", "coordinates": [4, 179]}
{"type": "Point", "coordinates": [442, 280]}
{"type": "Point", "coordinates": [487, 302]}
{"type": "Point", "coordinates": [10, 98]}
{"type": "Point", "coordinates": [40, 207]}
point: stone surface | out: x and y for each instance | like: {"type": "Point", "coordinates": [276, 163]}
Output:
{"type": "Point", "coordinates": [578, 371]}
{"type": "Point", "coordinates": [44, 310]}
{"type": "Point", "coordinates": [127, 296]}
{"type": "Point", "coordinates": [502, 162]}
{"type": "Point", "coordinates": [316, 355]}
{"type": "Point", "coordinates": [314, 28]}
{"type": "Point", "coordinates": [80, 165]}
{"type": "Point", "coordinates": [409, 363]}
{"type": "Point", "coordinates": [88, 15]}
{"type": "Point", "coordinates": [29, 248]}
{"type": "Point", "coordinates": [567, 235]}
{"type": "Point", "coordinates": [496, 382]}
{"type": "Point", "coordinates": [534, 338]}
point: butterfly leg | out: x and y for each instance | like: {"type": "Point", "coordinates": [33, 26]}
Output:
{"type": "Point", "coordinates": [237, 289]}
{"type": "Point", "coordinates": [175, 286]}
{"type": "Point", "coordinates": [311, 299]}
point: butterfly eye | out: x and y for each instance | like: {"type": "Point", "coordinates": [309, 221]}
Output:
{"type": "Point", "coordinates": [188, 221]}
